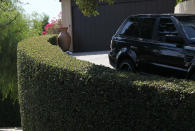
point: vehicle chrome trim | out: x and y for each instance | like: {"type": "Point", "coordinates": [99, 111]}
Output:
{"type": "Point", "coordinates": [170, 67]}
{"type": "Point", "coordinates": [189, 48]}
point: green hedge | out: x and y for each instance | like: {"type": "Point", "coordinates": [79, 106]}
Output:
{"type": "Point", "coordinates": [59, 93]}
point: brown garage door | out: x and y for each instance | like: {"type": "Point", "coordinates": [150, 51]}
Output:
{"type": "Point", "coordinates": [94, 33]}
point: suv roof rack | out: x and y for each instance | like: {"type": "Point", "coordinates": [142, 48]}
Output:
{"type": "Point", "coordinates": [160, 15]}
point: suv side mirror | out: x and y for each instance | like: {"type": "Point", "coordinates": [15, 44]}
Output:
{"type": "Point", "coordinates": [174, 39]}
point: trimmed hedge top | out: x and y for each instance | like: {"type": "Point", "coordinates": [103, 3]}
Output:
{"type": "Point", "coordinates": [41, 51]}
{"type": "Point", "coordinates": [98, 97]}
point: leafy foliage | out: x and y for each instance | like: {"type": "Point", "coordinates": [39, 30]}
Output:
{"type": "Point", "coordinates": [5, 8]}
{"type": "Point", "coordinates": [89, 7]}
{"type": "Point", "coordinates": [59, 92]}
{"type": "Point", "coordinates": [44, 22]}
{"type": "Point", "coordinates": [178, 1]}
{"type": "Point", "coordinates": [35, 23]}
{"type": "Point", "coordinates": [53, 27]}
{"type": "Point", "coordinates": [14, 27]}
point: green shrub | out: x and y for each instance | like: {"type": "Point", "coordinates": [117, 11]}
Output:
{"type": "Point", "coordinates": [53, 40]}
{"type": "Point", "coordinates": [60, 93]}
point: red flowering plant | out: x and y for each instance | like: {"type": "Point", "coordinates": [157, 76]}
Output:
{"type": "Point", "coordinates": [53, 27]}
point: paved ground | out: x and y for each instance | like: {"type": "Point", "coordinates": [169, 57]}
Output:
{"type": "Point", "coordinates": [99, 57]}
{"type": "Point", "coordinates": [11, 129]}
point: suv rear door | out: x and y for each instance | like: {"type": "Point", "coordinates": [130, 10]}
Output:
{"type": "Point", "coordinates": [147, 25]}
{"type": "Point", "coordinates": [137, 35]}
{"type": "Point", "coordinates": [168, 54]}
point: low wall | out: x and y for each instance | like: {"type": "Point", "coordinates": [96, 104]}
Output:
{"type": "Point", "coordinates": [187, 7]}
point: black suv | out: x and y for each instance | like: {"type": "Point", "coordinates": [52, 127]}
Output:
{"type": "Point", "coordinates": [166, 41]}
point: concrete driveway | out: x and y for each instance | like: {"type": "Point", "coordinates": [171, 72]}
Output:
{"type": "Point", "coordinates": [99, 57]}
{"type": "Point", "coordinates": [11, 129]}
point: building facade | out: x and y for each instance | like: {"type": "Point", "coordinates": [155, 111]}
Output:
{"type": "Point", "coordinates": [95, 33]}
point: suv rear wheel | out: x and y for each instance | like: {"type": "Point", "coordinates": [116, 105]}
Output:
{"type": "Point", "coordinates": [192, 77]}
{"type": "Point", "coordinates": [126, 65]}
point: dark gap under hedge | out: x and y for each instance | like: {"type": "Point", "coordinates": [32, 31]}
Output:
{"type": "Point", "coordinates": [9, 112]}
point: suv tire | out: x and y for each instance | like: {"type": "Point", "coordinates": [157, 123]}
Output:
{"type": "Point", "coordinates": [126, 65]}
{"type": "Point", "coordinates": [192, 77]}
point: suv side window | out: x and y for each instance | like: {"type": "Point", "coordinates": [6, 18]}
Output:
{"type": "Point", "coordinates": [142, 28]}
{"type": "Point", "coordinates": [147, 28]}
{"type": "Point", "coordinates": [130, 28]}
{"type": "Point", "coordinates": [166, 27]}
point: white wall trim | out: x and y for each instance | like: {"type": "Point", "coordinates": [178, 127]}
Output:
{"type": "Point", "coordinates": [187, 7]}
{"type": "Point", "coordinates": [67, 18]}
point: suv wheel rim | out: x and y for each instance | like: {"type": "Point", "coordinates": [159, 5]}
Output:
{"type": "Point", "coordinates": [126, 67]}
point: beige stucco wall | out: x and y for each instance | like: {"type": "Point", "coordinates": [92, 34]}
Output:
{"type": "Point", "coordinates": [67, 17]}
{"type": "Point", "coordinates": [187, 7]}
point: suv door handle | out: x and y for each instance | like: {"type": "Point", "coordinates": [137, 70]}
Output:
{"type": "Point", "coordinates": [156, 51]}
{"type": "Point", "coordinates": [140, 39]}
{"type": "Point", "coordinates": [133, 47]}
